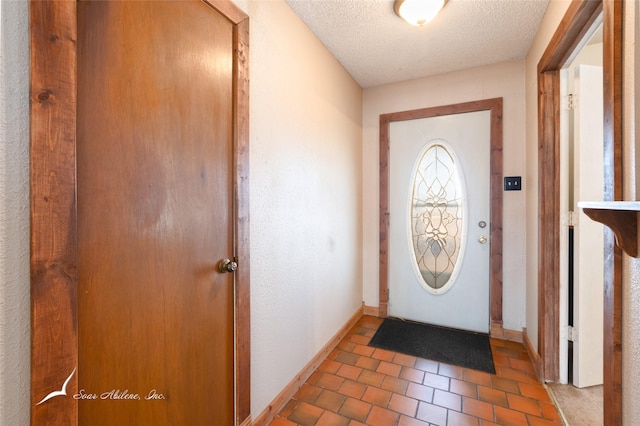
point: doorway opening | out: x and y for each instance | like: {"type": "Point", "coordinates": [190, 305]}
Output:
{"type": "Point", "coordinates": [581, 242]}
{"type": "Point", "coordinates": [577, 21]}
{"type": "Point", "coordinates": [579, 388]}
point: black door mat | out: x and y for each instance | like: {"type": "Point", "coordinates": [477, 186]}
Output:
{"type": "Point", "coordinates": [462, 348]}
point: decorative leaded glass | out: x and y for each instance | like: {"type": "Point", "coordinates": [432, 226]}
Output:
{"type": "Point", "coordinates": [436, 216]}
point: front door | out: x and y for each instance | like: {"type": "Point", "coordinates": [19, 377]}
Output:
{"type": "Point", "coordinates": [155, 187]}
{"type": "Point", "coordinates": [439, 220]}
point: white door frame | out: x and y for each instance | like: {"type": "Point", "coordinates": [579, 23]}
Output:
{"type": "Point", "coordinates": [495, 258]}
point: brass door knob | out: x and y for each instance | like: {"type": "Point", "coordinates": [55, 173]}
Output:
{"type": "Point", "coordinates": [227, 265]}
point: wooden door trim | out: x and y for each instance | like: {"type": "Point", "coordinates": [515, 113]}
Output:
{"type": "Point", "coordinates": [579, 17]}
{"type": "Point", "coordinates": [495, 272]}
{"type": "Point", "coordinates": [53, 234]}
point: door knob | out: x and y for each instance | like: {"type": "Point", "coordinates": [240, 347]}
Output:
{"type": "Point", "coordinates": [227, 265]}
{"type": "Point", "coordinates": [482, 239]}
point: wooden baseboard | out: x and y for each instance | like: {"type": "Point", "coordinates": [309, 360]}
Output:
{"type": "Point", "coordinates": [383, 310]}
{"type": "Point", "coordinates": [370, 310]}
{"type": "Point", "coordinates": [290, 390]}
{"type": "Point", "coordinates": [499, 332]}
{"type": "Point", "coordinates": [533, 355]}
{"type": "Point", "coordinates": [246, 422]}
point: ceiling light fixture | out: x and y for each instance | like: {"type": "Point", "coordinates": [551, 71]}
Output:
{"type": "Point", "coordinates": [418, 12]}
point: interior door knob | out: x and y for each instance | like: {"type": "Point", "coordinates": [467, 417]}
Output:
{"type": "Point", "coordinates": [227, 265]}
{"type": "Point", "coordinates": [482, 239]}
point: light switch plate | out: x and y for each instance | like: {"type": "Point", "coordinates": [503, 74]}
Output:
{"type": "Point", "coordinates": [512, 183]}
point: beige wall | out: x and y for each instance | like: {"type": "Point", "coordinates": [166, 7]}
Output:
{"type": "Point", "coordinates": [306, 136]}
{"type": "Point", "coordinates": [14, 213]}
{"type": "Point", "coordinates": [504, 80]}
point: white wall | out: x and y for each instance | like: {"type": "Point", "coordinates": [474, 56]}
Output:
{"type": "Point", "coordinates": [552, 17]}
{"type": "Point", "coordinates": [306, 135]}
{"type": "Point", "coordinates": [14, 214]}
{"type": "Point", "coordinates": [504, 80]}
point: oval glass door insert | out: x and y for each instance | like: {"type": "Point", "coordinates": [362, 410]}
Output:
{"type": "Point", "coordinates": [437, 219]}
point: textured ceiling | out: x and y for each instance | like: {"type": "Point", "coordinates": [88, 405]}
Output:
{"type": "Point", "coordinates": [376, 47]}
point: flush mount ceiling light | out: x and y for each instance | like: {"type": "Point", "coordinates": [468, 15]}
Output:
{"type": "Point", "coordinates": [418, 12]}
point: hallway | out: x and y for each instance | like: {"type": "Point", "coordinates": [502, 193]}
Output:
{"type": "Point", "coordinates": [361, 385]}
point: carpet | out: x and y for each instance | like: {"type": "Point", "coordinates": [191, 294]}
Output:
{"type": "Point", "coordinates": [462, 348]}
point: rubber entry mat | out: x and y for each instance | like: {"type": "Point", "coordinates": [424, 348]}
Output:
{"type": "Point", "coordinates": [458, 347]}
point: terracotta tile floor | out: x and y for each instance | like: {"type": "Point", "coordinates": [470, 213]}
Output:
{"type": "Point", "coordinates": [360, 385]}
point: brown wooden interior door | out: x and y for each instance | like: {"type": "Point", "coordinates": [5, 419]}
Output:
{"type": "Point", "coordinates": [154, 179]}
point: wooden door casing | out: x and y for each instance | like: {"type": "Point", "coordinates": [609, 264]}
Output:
{"type": "Point", "coordinates": [54, 217]}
